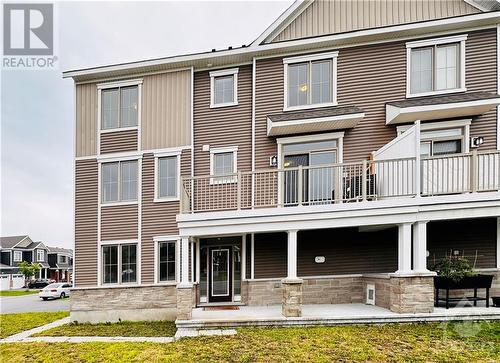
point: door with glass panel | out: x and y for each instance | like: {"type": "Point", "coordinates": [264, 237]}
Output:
{"type": "Point", "coordinates": [220, 274]}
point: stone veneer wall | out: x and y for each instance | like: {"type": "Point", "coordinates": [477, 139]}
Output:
{"type": "Point", "coordinates": [125, 303]}
{"type": "Point", "coordinates": [382, 290]}
{"type": "Point", "coordinates": [412, 294]}
{"type": "Point", "coordinates": [262, 293]}
{"type": "Point", "coordinates": [332, 290]}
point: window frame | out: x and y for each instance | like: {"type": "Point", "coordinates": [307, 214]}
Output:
{"type": "Point", "coordinates": [223, 150]}
{"type": "Point", "coordinates": [160, 155]}
{"type": "Point", "coordinates": [118, 245]}
{"type": "Point", "coordinates": [224, 73]}
{"type": "Point", "coordinates": [427, 43]}
{"type": "Point", "coordinates": [331, 56]}
{"type": "Point", "coordinates": [38, 256]}
{"type": "Point", "coordinates": [119, 85]}
{"type": "Point", "coordinates": [14, 259]}
{"type": "Point", "coordinates": [62, 259]}
{"type": "Point", "coordinates": [119, 191]}
{"type": "Point", "coordinates": [162, 239]}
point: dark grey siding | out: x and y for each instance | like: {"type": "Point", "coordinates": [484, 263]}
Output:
{"type": "Point", "coordinates": [5, 258]}
{"type": "Point", "coordinates": [270, 255]}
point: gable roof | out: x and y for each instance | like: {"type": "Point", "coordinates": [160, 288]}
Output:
{"type": "Point", "coordinates": [312, 18]}
{"type": "Point", "coordinates": [11, 241]}
{"type": "Point", "coordinates": [60, 250]}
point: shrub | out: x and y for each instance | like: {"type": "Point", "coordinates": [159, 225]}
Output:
{"type": "Point", "coordinates": [454, 268]}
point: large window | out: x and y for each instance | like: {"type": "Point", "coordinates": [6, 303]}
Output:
{"type": "Point", "coordinates": [119, 107]}
{"type": "Point", "coordinates": [166, 261]}
{"type": "Point", "coordinates": [167, 177]}
{"type": "Point", "coordinates": [223, 162]}
{"type": "Point", "coordinates": [119, 181]}
{"type": "Point", "coordinates": [310, 81]}
{"type": "Point", "coordinates": [224, 88]}
{"type": "Point", "coordinates": [119, 264]}
{"type": "Point", "coordinates": [18, 256]}
{"type": "Point", "coordinates": [40, 255]}
{"type": "Point", "coordinates": [436, 66]}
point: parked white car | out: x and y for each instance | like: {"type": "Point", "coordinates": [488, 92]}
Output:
{"type": "Point", "coordinates": [54, 291]}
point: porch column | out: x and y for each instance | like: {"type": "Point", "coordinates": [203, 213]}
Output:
{"type": "Point", "coordinates": [185, 287]}
{"type": "Point", "coordinates": [404, 248]}
{"type": "Point", "coordinates": [292, 286]}
{"type": "Point", "coordinates": [420, 247]}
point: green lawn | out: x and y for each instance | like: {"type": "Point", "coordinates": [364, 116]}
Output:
{"type": "Point", "coordinates": [458, 342]}
{"type": "Point", "coordinates": [17, 292]}
{"type": "Point", "coordinates": [123, 329]}
{"type": "Point", "coordinates": [15, 323]}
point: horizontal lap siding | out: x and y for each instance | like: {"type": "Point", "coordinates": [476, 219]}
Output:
{"type": "Point", "coordinates": [467, 237]}
{"type": "Point", "coordinates": [270, 255]}
{"type": "Point", "coordinates": [223, 126]}
{"type": "Point", "coordinates": [158, 219]}
{"type": "Point", "coordinates": [347, 251]}
{"type": "Point", "coordinates": [86, 223]}
{"type": "Point", "coordinates": [119, 222]}
{"type": "Point", "coordinates": [119, 141]}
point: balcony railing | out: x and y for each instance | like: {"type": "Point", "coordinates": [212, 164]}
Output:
{"type": "Point", "coordinates": [341, 183]}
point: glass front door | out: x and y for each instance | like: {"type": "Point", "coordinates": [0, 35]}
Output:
{"type": "Point", "coordinates": [220, 286]}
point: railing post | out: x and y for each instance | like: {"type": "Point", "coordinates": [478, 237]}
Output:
{"type": "Point", "coordinates": [473, 171]}
{"type": "Point", "coordinates": [299, 185]}
{"type": "Point", "coordinates": [238, 191]}
{"type": "Point", "coordinates": [364, 179]}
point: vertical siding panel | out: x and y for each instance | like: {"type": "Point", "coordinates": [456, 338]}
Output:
{"type": "Point", "coordinates": [86, 120]}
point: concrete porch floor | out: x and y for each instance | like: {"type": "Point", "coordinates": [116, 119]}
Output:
{"type": "Point", "coordinates": [326, 315]}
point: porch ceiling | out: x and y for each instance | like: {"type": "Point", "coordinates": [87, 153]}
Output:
{"type": "Point", "coordinates": [440, 107]}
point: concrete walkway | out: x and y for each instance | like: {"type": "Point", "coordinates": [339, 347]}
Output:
{"type": "Point", "coordinates": [25, 334]}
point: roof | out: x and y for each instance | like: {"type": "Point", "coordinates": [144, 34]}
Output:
{"type": "Point", "coordinates": [37, 244]}
{"type": "Point", "coordinates": [485, 5]}
{"type": "Point", "coordinates": [316, 113]}
{"type": "Point", "coordinates": [60, 250]}
{"type": "Point", "coordinates": [443, 99]}
{"type": "Point", "coordinates": [11, 241]}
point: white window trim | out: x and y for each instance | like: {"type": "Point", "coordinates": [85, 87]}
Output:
{"type": "Point", "coordinates": [19, 253]}
{"type": "Point", "coordinates": [220, 150]}
{"type": "Point", "coordinates": [118, 243]}
{"type": "Point", "coordinates": [440, 125]}
{"type": "Point", "coordinates": [224, 72]}
{"type": "Point", "coordinates": [38, 256]}
{"type": "Point", "coordinates": [428, 43]}
{"type": "Point", "coordinates": [119, 159]}
{"type": "Point", "coordinates": [157, 240]}
{"type": "Point", "coordinates": [308, 58]}
{"type": "Point", "coordinates": [108, 85]}
{"type": "Point", "coordinates": [166, 154]}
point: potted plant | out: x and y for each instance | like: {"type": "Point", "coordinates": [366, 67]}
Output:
{"type": "Point", "coordinates": [456, 272]}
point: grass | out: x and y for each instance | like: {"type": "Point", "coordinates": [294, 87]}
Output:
{"type": "Point", "coordinates": [123, 329]}
{"type": "Point", "coordinates": [15, 323]}
{"type": "Point", "coordinates": [433, 342]}
{"type": "Point", "coordinates": [17, 292]}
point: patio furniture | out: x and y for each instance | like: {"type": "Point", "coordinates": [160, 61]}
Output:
{"type": "Point", "coordinates": [466, 283]}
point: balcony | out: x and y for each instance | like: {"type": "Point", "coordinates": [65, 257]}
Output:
{"type": "Point", "coordinates": [365, 181]}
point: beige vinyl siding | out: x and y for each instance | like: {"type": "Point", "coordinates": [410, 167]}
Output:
{"type": "Point", "coordinates": [86, 120]}
{"type": "Point", "coordinates": [166, 110]}
{"type": "Point", "coordinates": [86, 199]}
{"type": "Point", "coordinates": [118, 141]}
{"type": "Point", "coordinates": [158, 219]}
{"type": "Point", "coordinates": [338, 16]}
{"type": "Point", "coordinates": [223, 126]}
{"type": "Point", "coordinates": [118, 222]}
{"type": "Point", "coordinates": [383, 79]}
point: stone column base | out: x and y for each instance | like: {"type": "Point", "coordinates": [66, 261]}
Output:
{"type": "Point", "coordinates": [291, 305]}
{"type": "Point", "coordinates": [412, 294]}
{"type": "Point", "coordinates": [184, 302]}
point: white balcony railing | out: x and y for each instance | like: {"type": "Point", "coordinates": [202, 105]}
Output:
{"type": "Point", "coordinates": [341, 183]}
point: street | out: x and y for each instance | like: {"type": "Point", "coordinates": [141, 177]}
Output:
{"type": "Point", "coordinates": [31, 303]}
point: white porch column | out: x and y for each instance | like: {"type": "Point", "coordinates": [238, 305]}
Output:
{"type": "Point", "coordinates": [185, 262]}
{"type": "Point", "coordinates": [292, 255]}
{"type": "Point", "coordinates": [417, 159]}
{"type": "Point", "coordinates": [243, 257]}
{"type": "Point", "coordinates": [498, 242]}
{"type": "Point", "coordinates": [404, 248]}
{"type": "Point", "coordinates": [420, 246]}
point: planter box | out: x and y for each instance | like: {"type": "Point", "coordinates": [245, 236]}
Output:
{"type": "Point", "coordinates": [466, 283]}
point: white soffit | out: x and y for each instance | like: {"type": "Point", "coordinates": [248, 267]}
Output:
{"type": "Point", "coordinates": [301, 126]}
{"type": "Point", "coordinates": [399, 115]}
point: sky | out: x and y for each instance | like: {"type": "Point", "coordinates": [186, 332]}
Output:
{"type": "Point", "coordinates": [37, 106]}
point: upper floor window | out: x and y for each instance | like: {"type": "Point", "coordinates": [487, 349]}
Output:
{"type": "Point", "coordinates": [224, 88]}
{"type": "Point", "coordinates": [119, 106]}
{"type": "Point", "coordinates": [18, 256]}
{"type": "Point", "coordinates": [223, 162]}
{"type": "Point", "coordinates": [167, 177]}
{"type": "Point", "coordinates": [62, 259]}
{"type": "Point", "coordinates": [40, 256]}
{"type": "Point", "coordinates": [119, 181]}
{"type": "Point", "coordinates": [436, 66]}
{"type": "Point", "coordinates": [310, 81]}
{"type": "Point", "coordinates": [441, 142]}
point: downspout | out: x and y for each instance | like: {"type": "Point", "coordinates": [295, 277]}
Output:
{"type": "Point", "coordinates": [254, 73]}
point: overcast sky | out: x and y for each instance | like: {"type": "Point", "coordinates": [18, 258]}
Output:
{"type": "Point", "coordinates": [37, 118]}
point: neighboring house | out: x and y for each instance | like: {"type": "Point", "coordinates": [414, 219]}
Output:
{"type": "Point", "coordinates": [344, 151]}
{"type": "Point", "coordinates": [61, 263]}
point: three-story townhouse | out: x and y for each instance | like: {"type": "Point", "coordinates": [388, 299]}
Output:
{"type": "Point", "coordinates": [332, 161]}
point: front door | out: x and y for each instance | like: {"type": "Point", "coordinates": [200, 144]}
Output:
{"type": "Point", "coordinates": [220, 280]}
